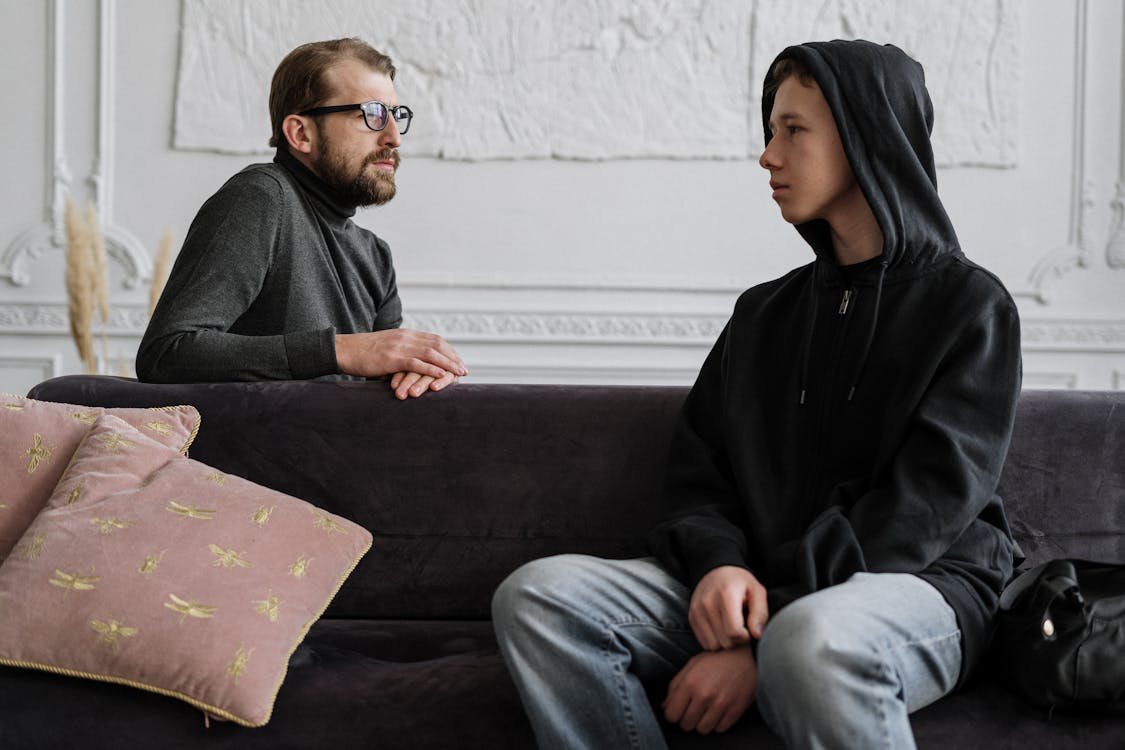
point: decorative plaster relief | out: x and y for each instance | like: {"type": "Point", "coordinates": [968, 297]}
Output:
{"type": "Point", "coordinates": [593, 79]}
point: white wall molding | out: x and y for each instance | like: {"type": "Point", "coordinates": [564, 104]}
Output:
{"type": "Point", "coordinates": [1115, 247]}
{"type": "Point", "coordinates": [650, 327]}
{"type": "Point", "coordinates": [1075, 252]}
{"type": "Point", "coordinates": [40, 368]}
{"type": "Point", "coordinates": [121, 245]}
{"type": "Point", "coordinates": [29, 245]}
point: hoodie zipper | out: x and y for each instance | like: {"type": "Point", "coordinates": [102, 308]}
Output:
{"type": "Point", "coordinates": [844, 302]}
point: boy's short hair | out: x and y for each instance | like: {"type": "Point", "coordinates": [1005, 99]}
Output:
{"type": "Point", "coordinates": [787, 67]}
{"type": "Point", "coordinates": [299, 81]}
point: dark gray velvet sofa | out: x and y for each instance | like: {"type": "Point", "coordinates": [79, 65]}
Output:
{"type": "Point", "coordinates": [461, 487]}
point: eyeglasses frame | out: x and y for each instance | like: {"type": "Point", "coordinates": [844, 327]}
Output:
{"type": "Point", "coordinates": [392, 111]}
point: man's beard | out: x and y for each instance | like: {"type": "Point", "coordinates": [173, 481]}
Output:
{"type": "Point", "coordinates": [362, 188]}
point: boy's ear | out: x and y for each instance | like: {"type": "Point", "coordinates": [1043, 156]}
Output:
{"type": "Point", "coordinates": [299, 133]}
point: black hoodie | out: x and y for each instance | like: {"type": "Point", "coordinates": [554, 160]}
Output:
{"type": "Point", "coordinates": [825, 438]}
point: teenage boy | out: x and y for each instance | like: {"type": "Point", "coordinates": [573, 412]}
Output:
{"type": "Point", "coordinates": [836, 547]}
{"type": "Point", "coordinates": [275, 280]}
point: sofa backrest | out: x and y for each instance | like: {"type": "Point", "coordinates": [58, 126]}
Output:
{"type": "Point", "coordinates": [461, 487]}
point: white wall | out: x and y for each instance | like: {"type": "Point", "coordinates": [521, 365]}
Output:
{"type": "Point", "coordinates": [590, 269]}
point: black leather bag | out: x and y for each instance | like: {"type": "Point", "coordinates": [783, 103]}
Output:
{"type": "Point", "coordinates": [1060, 639]}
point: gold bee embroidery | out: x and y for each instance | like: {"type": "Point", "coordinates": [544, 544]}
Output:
{"type": "Point", "coordinates": [148, 567]}
{"type": "Point", "coordinates": [85, 418]}
{"type": "Point", "coordinates": [75, 494]}
{"type": "Point", "coordinates": [160, 428]}
{"type": "Point", "coordinates": [324, 522]}
{"type": "Point", "coordinates": [262, 515]}
{"type": "Point", "coordinates": [33, 548]}
{"type": "Point", "coordinates": [37, 453]}
{"type": "Point", "coordinates": [74, 582]}
{"type": "Point", "coordinates": [217, 477]}
{"type": "Point", "coordinates": [301, 567]}
{"type": "Point", "coordinates": [110, 631]}
{"type": "Point", "coordinates": [268, 606]}
{"type": "Point", "coordinates": [110, 525]}
{"type": "Point", "coordinates": [238, 664]}
{"type": "Point", "coordinates": [228, 558]}
{"type": "Point", "coordinates": [190, 511]}
{"type": "Point", "coordinates": [112, 442]}
{"type": "Point", "coordinates": [190, 608]}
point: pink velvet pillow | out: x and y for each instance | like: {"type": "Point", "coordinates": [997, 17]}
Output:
{"type": "Point", "coordinates": [153, 570]}
{"type": "Point", "coordinates": [37, 439]}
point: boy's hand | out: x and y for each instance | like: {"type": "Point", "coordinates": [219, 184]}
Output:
{"type": "Point", "coordinates": [728, 607]}
{"type": "Point", "coordinates": [712, 690]}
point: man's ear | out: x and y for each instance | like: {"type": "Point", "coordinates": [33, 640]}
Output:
{"type": "Point", "coordinates": [298, 132]}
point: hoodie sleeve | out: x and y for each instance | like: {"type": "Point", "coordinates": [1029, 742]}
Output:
{"type": "Point", "coordinates": [942, 479]}
{"type": "Point", "coordinates": [218, 274]}
{"type": "Point", "coordinates": [704, 528]}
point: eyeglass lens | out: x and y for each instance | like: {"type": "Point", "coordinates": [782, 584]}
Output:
{"type": "Point", "coordinates": [376, 114]}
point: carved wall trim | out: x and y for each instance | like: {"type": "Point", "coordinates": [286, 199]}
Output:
{"type": "Point", "coordinates": [37, 318]}
{"type": "Point", "coordinates": [1044, 380]}
{"type": "Point", "coordinates": [49, 366]}
{"type": "Point", "coordinates": [15, 265]}
{"type": "Point", "coordinates": [1075, 253]}
{"type": "Point", "coordinates": [121, 245]}
{"type": "Point", "coordinates": [1115, 247]}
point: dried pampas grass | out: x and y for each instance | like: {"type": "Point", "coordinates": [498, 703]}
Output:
{"type": "Point", "coordinates": [81, 285]}
{"type": "Point", "coordinates": [160, 271]}
{"type": "Point", "coordinates": [101, 273]}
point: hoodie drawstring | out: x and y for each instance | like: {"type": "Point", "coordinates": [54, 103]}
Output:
{"type": "Point", "coordinates": [807, 347]}
{"type": "Point", "coordinates": [862, 362]}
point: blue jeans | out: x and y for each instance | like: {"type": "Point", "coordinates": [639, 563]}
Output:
{"type": "Point", "coordinates": [840, 668]}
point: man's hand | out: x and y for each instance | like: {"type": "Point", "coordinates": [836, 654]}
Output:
{"type": "Point", "coordinates": [727, 608]}
{"type": "Point", "coordinates": [712, 690]}
{"type": "Point", "coordinates": [397, 350]}
{"type": "Point", "coordinates": [413, 385]}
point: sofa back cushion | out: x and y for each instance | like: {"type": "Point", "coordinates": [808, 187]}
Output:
{"type": "Point", "coordinates": [461, 487]}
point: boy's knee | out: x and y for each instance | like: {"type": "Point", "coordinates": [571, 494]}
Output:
{"type": "Point", "coordinates": [528, 587]}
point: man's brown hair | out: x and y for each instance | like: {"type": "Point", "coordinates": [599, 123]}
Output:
{"type": "Point", "coordinates": [299, 81]}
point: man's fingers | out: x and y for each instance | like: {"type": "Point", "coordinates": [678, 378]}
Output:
{"type": "Point", "coordinates": [421, 386]}
{"type": "Point", "coordinates": [402, 390]}
{"type": "Point", "coordinates": [733, 627]}
{"type": "Point", "coordinates": [396, 379]}
{"type": "Point", "coordinates": [701, 627]}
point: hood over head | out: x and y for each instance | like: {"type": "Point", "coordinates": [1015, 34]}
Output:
{"type": "Point", "coordinates": [878, 97]}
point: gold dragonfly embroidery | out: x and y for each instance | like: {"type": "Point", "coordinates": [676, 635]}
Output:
{"type": "Point", "coordinates": [217, 477]}
{"type": "Point", "coordinates": [74, 582]}
{"type": "Point", "coordinates": [37, 453]}
{"type": "Point", "coordinates": [86, 418]}
{"type": "Point", "coordinates": [113, 442]}
{"type": "Point", "coordinates": [238, 664]}
{"type": "Point", "coordinates": [190, 511]}
{"type": "Point", "coordinates": [33, 548]}
{"type": "Point", "coordinates": [270, 606]}
{"type": "Point", "coordinates": [110, 631]}
{"type": "Point", "coordinates": [148, 567]}
{"type": "Point", "coordinates": [110, 525]}
{"type": "Point", "coordinates": [324, 522]}
{"type": "Point", "coordinates": [191, 608]}
{"type": "Point", "coordinates": [160, 428]}
{"type": "Point", "coordinates": [262, 515]}
{"type": "Point", "coordinates": [301, 567]}
{"type": "Point", "coordinates": [228, 558]}
{"type": "Point", "coordinates": [75, 494]}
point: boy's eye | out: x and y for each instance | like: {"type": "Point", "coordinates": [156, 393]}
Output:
{"type": "Point", "coordinates": [793, 129]}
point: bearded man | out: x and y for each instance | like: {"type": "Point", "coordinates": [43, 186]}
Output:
{"type": "Point", "coordinates": [275, 280]}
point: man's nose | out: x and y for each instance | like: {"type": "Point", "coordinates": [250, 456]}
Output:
{"type": "Point", "coordinates": [389, 137]}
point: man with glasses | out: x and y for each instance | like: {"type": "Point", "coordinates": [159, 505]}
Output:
{"type": "Point", "coordinates": [275, 280]}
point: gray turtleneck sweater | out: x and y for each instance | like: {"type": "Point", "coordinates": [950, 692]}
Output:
{"type": "Point", "coordinates": [273, 267]}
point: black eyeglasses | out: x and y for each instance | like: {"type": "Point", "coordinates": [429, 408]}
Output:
{"type": "Point", "coordinates": [376, 115]}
